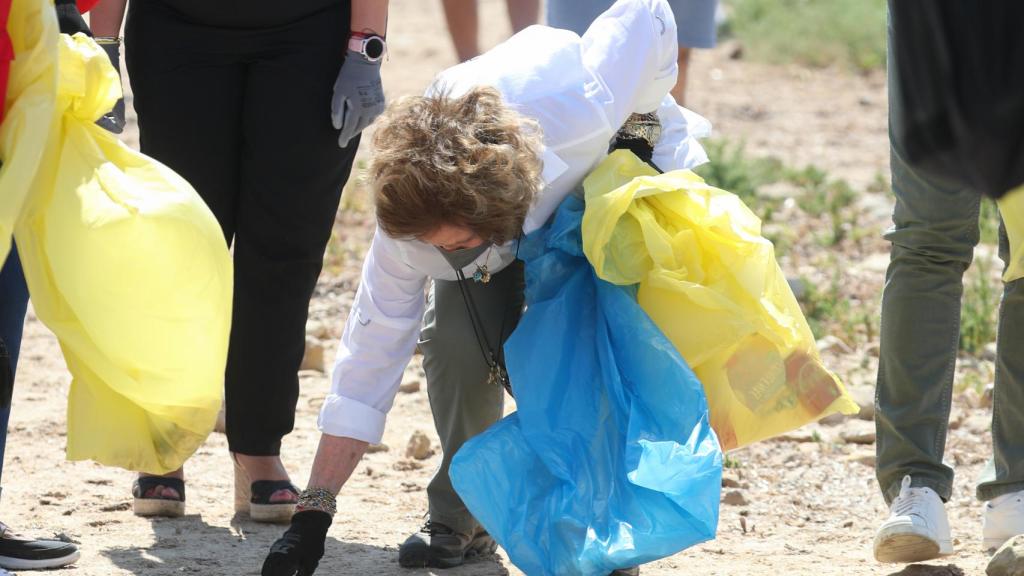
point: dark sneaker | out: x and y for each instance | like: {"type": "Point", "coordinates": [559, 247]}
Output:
{"type": "Point", "coordinates": [438, 546]}
{"type": "Point", "coordinates": [634, 571]}
{"type": "Point", "coordinates": [17, 553]}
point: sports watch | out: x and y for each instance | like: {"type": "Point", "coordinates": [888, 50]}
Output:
{"type": "Point", "coordinates": [370, 46]}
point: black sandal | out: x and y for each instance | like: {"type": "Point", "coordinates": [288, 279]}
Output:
{"type": "Point", "coordinates": [147, 506]}
{"type": "Point", "coordinates": [254, 498]}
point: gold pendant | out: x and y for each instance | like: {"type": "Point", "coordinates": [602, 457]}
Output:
{"type": "Point", "coordinates": [482, 274]}
{"type": "Point", "coordinates": [499, 377]}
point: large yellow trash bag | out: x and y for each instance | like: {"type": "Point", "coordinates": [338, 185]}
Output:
{"type": "Point", "coordinates": [1011, 208]}
{"type": "Point", "coordinates": [28, 106]}
{"type": "Point", "coordinates": [710, 281]}
{"type": "Point", "coordinates": [130, 270]}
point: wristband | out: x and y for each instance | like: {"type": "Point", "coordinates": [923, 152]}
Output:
{"type": "Point", "coordinates": [370, 46]}
{"type": "Point", "coordinates": [319, 499]}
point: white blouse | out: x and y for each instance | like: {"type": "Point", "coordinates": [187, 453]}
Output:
{"type": "Point", "coordinates": [580, 90]}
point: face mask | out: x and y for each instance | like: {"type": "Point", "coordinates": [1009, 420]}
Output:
{"type": "Point", "coordinates": [459, 259]}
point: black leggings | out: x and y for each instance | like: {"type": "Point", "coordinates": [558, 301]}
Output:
{"type": "Point", "coordinates": [244, 116]}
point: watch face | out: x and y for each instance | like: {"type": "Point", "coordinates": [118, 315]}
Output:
{"type": "Point", "coordinates": [374, 48]}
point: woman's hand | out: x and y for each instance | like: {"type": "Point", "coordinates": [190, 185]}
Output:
{"type": "Point", "coordinates": [113, 121]}
{"type": "Point", "coordinates": [298, 552]}
{"type": "Point", "coordinates": [358, 96]}
{"type": "Point", "coordinates": [70, 19]}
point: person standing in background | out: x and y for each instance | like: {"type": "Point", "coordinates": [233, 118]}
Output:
{"type": "Point", "coordinates": [695, 25]}
{"type": "Point", "coordinates": [260, 107]}
{"type": "Point", "coordinates": [16, 551]}
{"type": "Point", "coordinates": [934, 232]}
{"type": "Point", "coordinates": [464, 22]}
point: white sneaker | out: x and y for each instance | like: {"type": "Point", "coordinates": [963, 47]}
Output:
{"type": "Point", "coordinates": [1004, 519]}
{"type": "Point", "coordinates": [917, 528]}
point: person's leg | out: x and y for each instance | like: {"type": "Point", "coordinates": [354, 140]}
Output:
{"type": "Point", "coordinates": [523, 13]}
{"type": "Point", "coordinates": [292, 175]}
{"type": "Point", "coordinates": [1002, 482]}
{"type": "Point", "coordinates": [463, 26]}
{"type": "Point", "coordinates": [462, 400]}
{"type": "Point", "coordinates": [188, 86]}
{"type": "Point", "coordinates": [13, 304]}
{"type": "Point", "coordinates": [187, 94]}
{"type": "Point", "coordinates": [935, 229]}
{"type": "Point", "coordinates": [679, 90]}
{"type": "Point", "coordinates": [934, 232]}
{"type": "Point", "coordinates": [1008, 400]}
{"type": "Point", "coordinates": [17, 552]}
{"type": "Point", "coordinates": [695, 28]}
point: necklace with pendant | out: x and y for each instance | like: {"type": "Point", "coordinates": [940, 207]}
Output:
{"type": "Point", "coordinates": [497, 373]}
{"type": "Point", "coordinates": [482, 274]}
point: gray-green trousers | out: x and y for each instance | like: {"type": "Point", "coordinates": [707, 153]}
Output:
{"type": "Point", "coordinates": [935, 229]}
{"type": "Point", "coordinates": [461, 399]}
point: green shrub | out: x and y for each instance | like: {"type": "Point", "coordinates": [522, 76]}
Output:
{"type": "Point", "coordinates": [980, 306]}
{"type": "Point", "coordinates": [731, 169]}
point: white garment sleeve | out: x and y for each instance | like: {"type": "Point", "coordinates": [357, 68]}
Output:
{"type": "Point", "coordinates": [632, 51]}
{"type": "Point", "coordinates": [678, 148]}
{"type": "Point", "coordinates": [377, 344]}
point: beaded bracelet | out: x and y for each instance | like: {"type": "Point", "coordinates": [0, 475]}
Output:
{"type": "Point", "coordinates": [318, 499]}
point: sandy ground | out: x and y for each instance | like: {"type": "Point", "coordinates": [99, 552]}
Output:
{"type": "Point", "coordinates": [809, 503]}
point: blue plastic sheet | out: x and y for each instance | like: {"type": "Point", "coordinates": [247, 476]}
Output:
{"type": "Point", "coordinates": [610, 460]}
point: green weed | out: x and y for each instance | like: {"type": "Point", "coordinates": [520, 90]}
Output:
{"type": "Point", "coordinates": [979, 309]}
{"type": "Point", "coordinates": [356, 195]}
{"type": "Point", "coordinates": [811, 32]}
{"type": "Point", "coordinates": [988, 222]}
{"type": "Point", "coordinates": [978, 316]}
{"type": "Point", "coordinates": [824, 307]}
{"type": "Point", "coordinates": [822, 196]}
{"type": "Point", "coordinates": [880, 184]}
{"type": "Point", "coordinates": [731, 169]}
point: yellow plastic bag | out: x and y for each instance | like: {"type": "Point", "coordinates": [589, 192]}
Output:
{"type": "Point", "coordinates": [130, 270]}
{"type": "Point", "coordinates": [1011, 208]}
{"type": "Point", "coordinates": [28, 107]}
{"type": "Point", "coordinates": [710, 281]}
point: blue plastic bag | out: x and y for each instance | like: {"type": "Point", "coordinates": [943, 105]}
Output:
{"type": "Point", "coordinates": [610, 460]}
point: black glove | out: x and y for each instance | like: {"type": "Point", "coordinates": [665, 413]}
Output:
{"type": "Point", "coordinates": [298, 552]}
{"type": "Point", "coordinates": [70, 19]}
{"type": "Point", "coordinates": [113, 121]}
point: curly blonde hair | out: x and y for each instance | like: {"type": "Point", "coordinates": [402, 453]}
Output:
{"type": "Point", "coordinates": [465, 160]}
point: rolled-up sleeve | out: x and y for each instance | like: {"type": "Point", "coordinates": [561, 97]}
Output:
{"type": "Point", "coordinates": [376, 346]}
{"type": "Point", "coordinates": [632, 51]}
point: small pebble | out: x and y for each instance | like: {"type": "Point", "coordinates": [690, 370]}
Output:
{"type": "Point", "coordinates": [1008, 559]}
{"type": "Point", "coordinates": [410, 386]}
{"type": "Point", "coordinates": [735, 498]}
{"type": "Point", "coordinates": [419, 446]}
